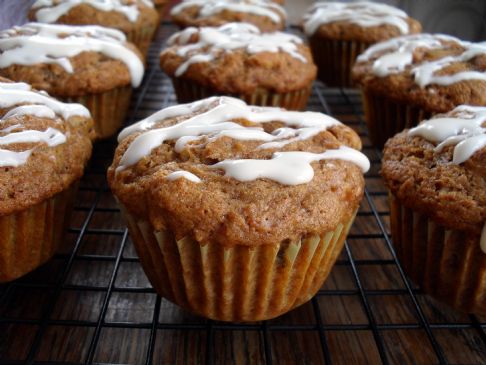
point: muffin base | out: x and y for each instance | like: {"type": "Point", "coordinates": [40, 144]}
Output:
{"type": "Point", "coordinates": [385, 117]}
{"type": "Point", "coordinates": [187, 92]}
{"type": "Point", "coordinates": [447, 264]}
{"type": "Point", "coordinates": [31, 237]}
{"type": "Point", "coordinates": [143, 37]}
{"type": "Point", "coordinates": [238, 283]}
{"type": "Point", "coordinates": [335, 59]}
{"type": "Point", "coordinates": [108, 109]}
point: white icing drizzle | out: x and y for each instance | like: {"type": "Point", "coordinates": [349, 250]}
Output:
{"type": "Point", "coordinates": [363, 13]}
{"type": "Point", "coordinates": [40, 105]}
{"type": "Point", "coordinates": [461, 128]}
{"type": "Point", "coordinates": [52, 10]}
{"type": "Point", "coordinates": [208, 8]}
{"type": "Point", "coordinates": [232, 36]}
{"type": "Point", "coordinates": [395, 55]}
{"type": "Point", "coordinates": [35, 43]}
{"type": "Point", "coordinates": [183, 175]}
{"type": "Point", "coordinates": [215, 121]}
{"type": "Point", "coordinates": [288, 168]}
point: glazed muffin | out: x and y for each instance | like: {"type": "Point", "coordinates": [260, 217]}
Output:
{"type": "Point", "coordinates": [136, 18]}
{"type": "Point", "coordinates": [436, 174]}
{"type": "Point", "coordinates": [266, 15]}
{"type": "Point", "coordinates": [269, 69]}
{"type": "Point", "coordinates": [45, 145]}
{"type": "Point", "coordinates": [90, 65]}
{"type": "Point", "coordinates": [339, 32]}
{"type": "Point", "coordinates": [238, 212]}
{"type": "Point", "coordinates": [408, 79]}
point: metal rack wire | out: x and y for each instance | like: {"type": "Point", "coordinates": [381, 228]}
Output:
{"type": "Point", "coordinates": [93, 304]}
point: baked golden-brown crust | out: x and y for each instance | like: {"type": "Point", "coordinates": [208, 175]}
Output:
{"type": "Point", "coordinates": [224, 210]}
{"type": "Point", "coordinates": [93, 73]}
{"type": "Point", "coordinates": [402, 88]}
{"type": "Point", "coordinates": [428, 182]}
{"type": "Point", "coordinates": [190, 17]}
{"type": "Point", "coordinates": [84, 14]}
{"type": "Point", "coordinates": [48, 170]}
{"type": "Point", "coordinates": [240, 72]}
{"type": "Point", "coordinates": [347, 31]}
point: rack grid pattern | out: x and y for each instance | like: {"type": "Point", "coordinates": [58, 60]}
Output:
{"type": "Point", "coordinates": [92, 304]}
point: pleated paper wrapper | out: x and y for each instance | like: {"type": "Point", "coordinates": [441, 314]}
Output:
{"type": "Point", "coordinates": [447, 264]}
{"type": "Point", "coordinates": [238, 283]}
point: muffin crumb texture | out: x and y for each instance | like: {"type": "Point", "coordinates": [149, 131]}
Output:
{"type": "Point", "coordinates": [439, 168]}
{"type": "Point", "coordinates": [220, 171]}
{"type": "Point", "coordinates": [45, 145]}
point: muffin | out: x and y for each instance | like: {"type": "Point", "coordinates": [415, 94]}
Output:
{"type": "Point", "coordinates": [161, 7]}
{"type": "Point", "coordinates": [268, 69]}
{"type": "Point", "coordinates": [237, 212]}
{"type": "Point", "coordinates": [408, 79]}
{"type": "Point", "coordinates": [266, 15]}
{"type": "Point", "coordinates": [436, 174]}
{"type": "Point", "coordinates": [339, 32]}
{"type": "Point", "coordinates": [45, 145]}
{"type": "Point", "coordinates": [90, 65]}
{"type": "Point", "coordinates": [136, 18]}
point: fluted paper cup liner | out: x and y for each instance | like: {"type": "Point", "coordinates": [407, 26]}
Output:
{"type": "Point", "coordinates": [142, 37]}
{"type": "Point", "coordinates": [108, 109]}
{"type": "Point", "coordinates": [31, 237]}
{"type": "Point", "coordinates": [335, 59]}
{"type": "Point", "coordinates": [237, 283]}
{"type": "Point", "coordinates": [447, 264]}
{"type": "Point", "coordinates": [187, 92]}
{"type": "Point", "coordinates": [385, 117]}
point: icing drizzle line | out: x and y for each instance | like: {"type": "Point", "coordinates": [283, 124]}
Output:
{"type": "Point", "coordinates": [462, 128]}
{"type": "Point", "coordinates": [208, 8]}
{"type": "Point", "coordinates": [394, 55]}
{"type": "Point", "coordinates": [35, 43]}
{"type": "Point", "coordinates": [214, 121]}
{"type": "Point", "coordinates": [363, 13]}
{"type": "Point", "coordinates": [52, 10]}
{"type": "Point", "coordinates": [216, 40]}
{"type": "Point", "coordinates": [43, 106]}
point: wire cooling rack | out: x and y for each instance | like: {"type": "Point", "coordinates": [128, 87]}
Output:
{"type": "Point", "coordinates": [92, 303]}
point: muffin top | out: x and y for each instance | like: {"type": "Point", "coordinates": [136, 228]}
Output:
{"type": "Point", "coordinates": [361, 21]}
{"type": "Point", "coordinates": [237, 59]}
{"type": "Point", "coordinates": [125, 15]}
{"type": "Point", "coordinates": [266, 15]}
{"type": "Point", "coordinates": [218, 170]}
{"type": "Point", "coordinates": [69, 60]}
{"type": "Point", "coordinates": [44, 145]}
{"type": "Point", "coordinates": [435, 72]}
{"type": "Point", "coordinates": [439, 168]}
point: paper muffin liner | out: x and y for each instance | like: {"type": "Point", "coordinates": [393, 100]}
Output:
{"type": "Point", "coordinates": [187, 91]}
{"type": "Point", "coordinates": [447, 264]}
{"type": "Point", "coordinates": [142, 37]}
{"type": "Point", "coordinates": [108, 109]}
{"type": "Point", "coordinates": [385, 117]}
{"type": "Point", "coordinates": [31, 237]}
{"type": "Point", "coordinates": [335, 59]}
{"type": "Point", "coordinates": [237, 283]}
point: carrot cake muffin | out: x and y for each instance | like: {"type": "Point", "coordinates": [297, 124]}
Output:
{"type": "Point", "coordinates": [407, 79]}
{"type": "Point", "coordinates": [161, 7]}
{"type": "Point", "coordinates": [136, 18]}
{"type": "Point", "coordinates": [238, 212]}
{"type": "Point", "coordinates": [266, 15]}
{"type": "Point", "coordinates": [44, 147]}
{"type": "Point", "coordinates": [274, 69]}
{"type": "Point", "coordinates": [87, 64]}
{"type": "Point", "coordinates": [436, 174]}
{"type": "Point", "coordinates": [339, 32]}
